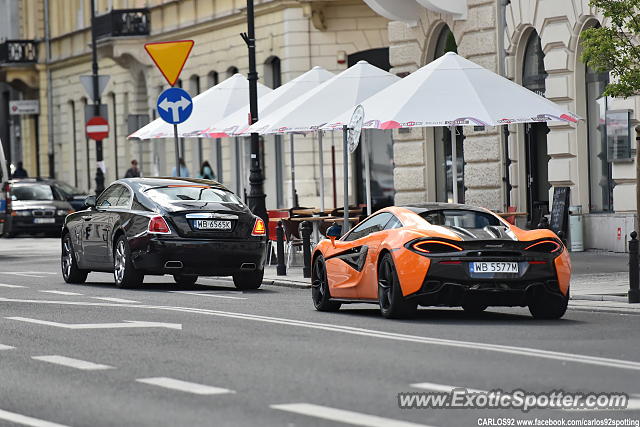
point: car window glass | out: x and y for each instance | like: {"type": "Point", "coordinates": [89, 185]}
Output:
{"type": "Point", "coordinates": [110, 196]}
{"type": "Point", "coordinates": [125, 197]}
{"type": "Point", "coordinates": [370, 225]}
{"type": "Point", "coordinates": [460, 218]}
{"type": "Point", "coordinates": [32, 192]}
{"type": "Point", "coordinates": [200, 193]}
{"type": "Point", "coordinates": [393, 223]}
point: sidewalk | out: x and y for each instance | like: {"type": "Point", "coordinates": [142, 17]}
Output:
{"type": "Point", "coordinates": [600, 280]}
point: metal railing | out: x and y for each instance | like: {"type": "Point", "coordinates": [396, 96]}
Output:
{"type": "Point", "coordinates": [18, 51]}
{"type": "Point", "coordinates": [122, 23]}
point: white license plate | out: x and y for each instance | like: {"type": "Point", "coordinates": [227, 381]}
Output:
{"type": "Point", "coordinates": [44, 220]}
{"type": "Point", "coordinates": [494, 267]}
{"type": "Point", "coordinates": [212, 224]}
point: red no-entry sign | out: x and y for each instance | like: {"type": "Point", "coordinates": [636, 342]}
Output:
{"type": "Point", "coordinates": [97, 128]}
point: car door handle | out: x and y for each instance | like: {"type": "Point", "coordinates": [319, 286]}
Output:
{"type": "Point", "coordinates": [86, 217]}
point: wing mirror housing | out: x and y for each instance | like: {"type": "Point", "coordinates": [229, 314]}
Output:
{"type": "Point", "coordinates": [90, 202]}
{"type": "Point", "coordinates": [334, 232]}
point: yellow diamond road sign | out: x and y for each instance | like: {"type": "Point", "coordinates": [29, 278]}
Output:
{"type": "Point", "coordinates": [170, 57]}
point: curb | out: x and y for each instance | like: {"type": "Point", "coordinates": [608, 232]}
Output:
{"type": "Point", "coordinates": [613, 298]}
{"type": "Point", "coordinates": [286, 283]}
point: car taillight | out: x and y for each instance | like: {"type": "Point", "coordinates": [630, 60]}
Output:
{"type": "Point", "coordinates": [157, 225]}
{"type": "Point", "coordinates": [544, 246]}
{"type": "Point", "coordinates": [435, 247]}
{"type": "Point", "coordinates": [258, 228]}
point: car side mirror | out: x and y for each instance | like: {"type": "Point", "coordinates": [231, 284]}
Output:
{"type": "Point", "coordinates": [334, 232]}
{"type": "Point", "coordinates": [90, 202]}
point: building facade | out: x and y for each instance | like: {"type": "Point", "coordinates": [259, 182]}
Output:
{"type": "Point", "coordinates": [292, 37]}
{"type": "Point", "coordinates": [46, 47]}
{"type": "Point", "coordinates": [519, 169]}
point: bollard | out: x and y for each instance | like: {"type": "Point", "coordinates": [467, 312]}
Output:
{"type": "Point", "coordinates": [281, 268]}
{"type": "Point", "coordinates": [634, 278]}
{"type": "Point", "coordinates": [306, 248]}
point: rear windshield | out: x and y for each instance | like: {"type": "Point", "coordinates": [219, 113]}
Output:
{"type": "Point", "coordinates": [31, 192]}
{"type": "Point", "coordinates": [192, 193]}
{"type": "Point", "coordinates": [460, 218]}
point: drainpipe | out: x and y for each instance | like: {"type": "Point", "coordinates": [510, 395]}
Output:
{"type": "Point", "coordinates": [502, 70]}
{"type": "Point", "coordinates": [47, 35]}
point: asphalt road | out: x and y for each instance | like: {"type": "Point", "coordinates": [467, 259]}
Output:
{"type": "Point", "coordinates": [94, 355]}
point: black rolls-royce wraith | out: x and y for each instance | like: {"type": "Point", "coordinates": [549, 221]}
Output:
{"type": "Point", "coordinates": [155, 226]}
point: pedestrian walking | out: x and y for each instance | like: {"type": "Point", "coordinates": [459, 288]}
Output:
{"type": "Point", "coordinates": [133, 171]}
{"type": "Point", "coordinates": [20, 172]}
{"type": "Point", "coordinates": [206, 172]}
{"type": "Point", "coordinates": [184, 172]}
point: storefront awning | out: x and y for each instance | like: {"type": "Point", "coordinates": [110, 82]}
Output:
{"type": "Point", "coordinates": [409, 10]}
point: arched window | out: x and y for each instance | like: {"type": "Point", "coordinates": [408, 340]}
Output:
{"type": "Point", "coordinates": [272, 74]}
{"type": "Point", "coordinates": [212, 78]}
{"type": "Point", "coordinates": [194, 85]}
{"type": "Point", "coordinates": [231, 71]}
{"type": "Point", "coordinates": [537, 159]}
{"type": "Point", "coordinates": [600, 172]}
{"type": "Point", "coordinates": [442, 138]}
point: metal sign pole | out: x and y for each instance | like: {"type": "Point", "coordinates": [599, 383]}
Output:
{"type": "Point", "coordinates": [454, 163]}
{"type": "Point", "coordinates": [345, 161]}
{"type": "Point", "coordinates": [177, 144]}
{"type": "Point", "coordinates": [367, 171]}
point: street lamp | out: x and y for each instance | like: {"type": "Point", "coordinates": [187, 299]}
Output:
{"type": "Point", "coordinates": [256, 195]}
{"type": "Point", "coordinates": [96, 99]}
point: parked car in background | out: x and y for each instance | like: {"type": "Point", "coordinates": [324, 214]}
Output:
{"type": "Point", "coordinates": [156, 226]}
{"type": "Point", "coordinates": [34, 206]}
{"type": "Point", "coordinates": [74, 196]}
{"type": "Point", "coordinates": [4, 186]}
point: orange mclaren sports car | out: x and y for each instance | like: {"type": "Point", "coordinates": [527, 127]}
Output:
{"type": "Point", "coordinates": [441, 255]}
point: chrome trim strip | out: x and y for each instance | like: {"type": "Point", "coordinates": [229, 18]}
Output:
{"type": "Point", "coordinates": [206, 215]}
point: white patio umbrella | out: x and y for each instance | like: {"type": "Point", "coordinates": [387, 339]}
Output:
{"type": "Point", "coordinates": [237, 123]}
{"type": "Point", "coordinates": [314, 109]}
{"type": "Point", "coordinates": [209, 107]}
{"type": "Point", "coordinates": [453, 91]}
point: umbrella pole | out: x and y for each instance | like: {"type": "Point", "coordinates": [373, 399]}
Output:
{"type": "Point", "coordinates": [345, 161]}
{"type": "Point", "coordinates": [454, 163]}
{"type": "Point", "coordinates": [367, 170]}
{"type": "Point", "coordinates": [320, 158]}
{"type": "Point", "coordinates": [294, 197]}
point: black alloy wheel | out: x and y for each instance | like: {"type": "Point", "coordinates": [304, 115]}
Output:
{"type": "Point", "coordinates": [320, 287]}
{"type": "Point", "coordinates": [70, 271]}
{"type": "Point", "coordinates": [124, 273]}
{"type": "Point", "coordinates": [392, 303]}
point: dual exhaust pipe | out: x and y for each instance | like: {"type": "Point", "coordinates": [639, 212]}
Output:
{"type": "Point", "coordinates": [247, 266]}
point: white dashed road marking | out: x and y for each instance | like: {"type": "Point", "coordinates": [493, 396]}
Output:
{"type": "Point", "coordinates": [124, 324]}
{"type": "Point", "coordinates": [4, 285]}
{"type": "Point", "coordinates": [72, 363]}
{"type": "Point", "coordinates": [200, 294]}
{"type": "Point", "coordinates": [128, 301]}
{"type": "Point", "coordinates": [342, 416]}
{"type": "Point", "coordinates": [6, 347]}
{"type": "Point", "coordinates": [26, 421]}
{"type": "Point", "coordinates": [184, 386]}
{"type": "Point", "coordinates": [62, 293]}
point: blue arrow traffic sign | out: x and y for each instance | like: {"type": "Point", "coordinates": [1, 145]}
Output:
{"type": "Point", "coordinates": [174, 105]}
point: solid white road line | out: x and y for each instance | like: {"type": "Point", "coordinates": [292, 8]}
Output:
{"type": "Point", "coordinates": [443, 388]}
{"type": "Point", "coordinates": [206, 295]}
{"type": "Point", "coordinates": [469, 345]}
{"type": "Point", "coordinates": [12, 417]}
{"type": "Point", "coordinates": [72, 363]}
{"type": "Point", "coordinates": [5, 285]}
{"type": "Point", "coordinates": [124, 324]}
{"type": "Point", "coordinates": [184, 386]}
{"type": "Point", "coordinates": [128, 301]}
{"type": "Point", "coordinates": [342, 416]}
{"type": "Point", "coordinates": [6, 347]}
{"type": "Point", "coordinates": [62, 293]}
